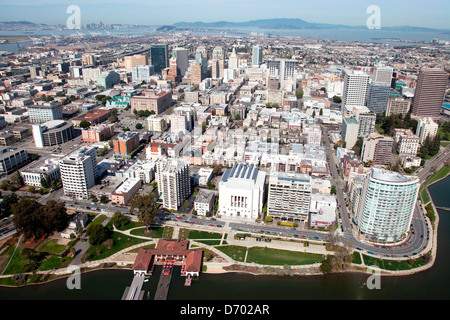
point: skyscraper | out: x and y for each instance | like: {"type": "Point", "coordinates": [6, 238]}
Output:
{"type": "Point", "coordinates": [284, 70]}
{"type": "Point", "coordinates": [182, 57]}
{"type": "Point", "coordinates": [383, 75]}
{"type": "Point", "coordinates": [378, 97]}
{"type": "Point", "coordinates": [257, 56]}
{"type": "Point", "coordinates": [174, 182]}
{"type": "Point", "coordinates": [233, 61]}
{"type": "Point", "coordinates": [429, 93]}
{"type": "Point", "coordinates": [356, 85]}
{"type": "Point", "coordinates": [386, 205]}
{"type": "Point", "coordinates": [78, 172]}
{"type": "Point", "coordinates": [159, 56]}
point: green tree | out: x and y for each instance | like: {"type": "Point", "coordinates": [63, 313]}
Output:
{"type": "Point", "coordinates": [139, 126]}
{"type": "Point", "coordinates": [97, 233]}
{"type": "Point", "coordinates": [145, 208]}
{"type": "Point", "coordinates": [85, 124]}
{"type": "Point", "coordinates": [119, 219]}
{"type": "Point", "coordinates": [35, 220]}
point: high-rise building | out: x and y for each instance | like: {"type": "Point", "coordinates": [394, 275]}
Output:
{"type": "Point", "coordinates": [289, 196]}
{"type": "Point", "coordinates": [159, 56]}
{"type": "Point", "coordinates": [174, 182]}
{"type": "Point", "coordinates": [377, 148]}
{"type": "Point", "coordinates": [182, 57]}
{"type": "Point", "coordinates": [398, 105]}
{"type": "Point", "coordinates": [241, 192]}
{"type": "Point", "coordinates": [125, 143]}
{"type": "Point", "coordinates": [142, 73]}
{"type": "Point", "coordinates": [387, 205]}
{"type": "Point", "coordinates": [257, 56]}
{"type": "Point", "coordinates": [135, 60]}
{"type": "Point", "coordinates": [88, 59]}
{"type": "Point", "coordinates": [429, 93]}
{"type": "Point", "coordinates": [285, 71]}
{"type": "Point", "coordinates": [356, 86]}
{"type": "Point", "coordinates": [349, 131]}
{"type": "Point", "coordinates": [378, 97]}
{"type": "Point", "coordinates": [44, 111]}
{"type": "Point", "coordinates": [407, 142]}
{"type": "Point", "coordinates": [218, 53]}
{"type": "Point", "coordinates": [78, 172]}
{"type": "Point", "coordinates": [108, 79]}
{"type": "Point", "coordinates": [233, 60]}
{"type": "Point", "coordinates": [383, 75]}
{"type": "Point", "coordinates": [426, 127]}
{"type": "Point", "coordinates": [196, 73]}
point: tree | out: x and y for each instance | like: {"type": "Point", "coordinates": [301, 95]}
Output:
{"type": "Point", "coordinates": [358, 146]}
{"type": "Point", "coordinates": [337, 99]}
{"type": "Point", "coordinates": [97, 233]}
{"type": "Point", "coordinates": [299, 93]}
{"type": "Point", "coordinates": [119, 219]}
{"type": "Point", "coordinates": [333, 189]}
{"type": "Point", "coordinates": [145, 208]}
{"type": "Point", "coordinates": [35, 220]}
{"type": "Point", "coordinates": [85, 124]}
{"type": "Point", "coordinates": [139, 126]}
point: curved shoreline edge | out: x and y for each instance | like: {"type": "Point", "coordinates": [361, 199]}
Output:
{"type": "Point", "coordinates": [355, 268]}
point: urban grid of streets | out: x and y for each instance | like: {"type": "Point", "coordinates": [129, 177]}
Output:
{"type": "Point", "coordinates": [107, 47]}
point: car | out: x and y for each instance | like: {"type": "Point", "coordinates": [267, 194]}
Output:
{"type": "Point", "coordinates": [316, 238]}
{"type": "Point", "coordinates": [281, 234]}
{"type": "Point", "coordinates": [303, 236]}
{"type": "Point", "coordinates": [211, 225]}
{"type": "Point", "coordinates": [369, 252]}
{"type": "Point", "coordinates": [179, 218]}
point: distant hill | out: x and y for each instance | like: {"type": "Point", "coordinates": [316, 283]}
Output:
{"type": "Point", "coordinates": [291, 24]}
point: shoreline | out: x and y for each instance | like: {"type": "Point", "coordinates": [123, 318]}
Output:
{"type": "Point", "coordinates": [355, 268]}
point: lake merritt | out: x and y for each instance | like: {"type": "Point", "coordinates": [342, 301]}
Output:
{"type": "Point", "coordinates": [432, 284]}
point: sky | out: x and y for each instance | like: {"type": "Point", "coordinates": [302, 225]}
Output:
{"type": "Point", "coordinates": [430, 13]}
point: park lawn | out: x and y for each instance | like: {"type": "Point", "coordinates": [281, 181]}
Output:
{"type": "Point", "coordinates": [210, 242]}
{"type": "Point", "coordinates": [99, 219]}
{"type": "Point", "coordinates": [52, 247]}
{"type": "Point", "coordinates": [17, 263]}
{"type": "Point", "coordinates": [120, 242]}
{"type": "Point", "coordinates": [270, 256]}
{"type": "Point", "coordinates": [425, 196]}
{"type": "Point", "coordinates": [194, 234]}
{"type": "Point", "coordinates": [392, 265]}
{"type": "Point", "coordinates": [235, 252]}
{"type": "Point", "coordinates": [156, 232]}
{"type": "Point", "coordinates": [54, 262]}
{"type": "Point", "coordinates": [438, 175]}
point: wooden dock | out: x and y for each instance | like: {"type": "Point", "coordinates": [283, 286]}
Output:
{"type": "Point", "coordinates": [162, 290]}
{"type": "Point", "coordinates": [134, 291]}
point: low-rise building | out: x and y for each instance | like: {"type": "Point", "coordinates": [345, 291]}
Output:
{"type": "Point", "coordinates": [126, 191]}
{"type": "Point", "coordinates": [204, 202]}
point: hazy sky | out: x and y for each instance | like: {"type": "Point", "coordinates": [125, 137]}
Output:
{"type": "Point", "coordinates": [430, 13]}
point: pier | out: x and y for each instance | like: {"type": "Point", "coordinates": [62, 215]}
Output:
{"type": "Point", "coordinates": [443, 208]}
{"type": "Point", "coordinates": [168, 253]}
{"type": "Point", "coordinates": [134, 291]}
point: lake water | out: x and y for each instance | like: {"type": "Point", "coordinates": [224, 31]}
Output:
{"type": "Point", "coordinates": [348, 35]}
{"type": "Point", "coordinates": [432, 284]}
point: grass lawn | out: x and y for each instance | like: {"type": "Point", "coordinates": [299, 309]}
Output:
{"type": "Point", "coordinates": [194, 234]}
{"type": "Point", "coordinates": [52, 247]}
{"type": "Point", "coordinates": [392, 265]}
{"type": "Point", "coordinates": [156, 232]}
{"type": "Point", "coordinates": [281, 257]}
{"type": "Point", "coordinates": [54, 262]}
{"type": "Point", "coordinates": [425, 196]}
{"type": "Point", "coordinates": [235, 252]}
{"type": "Point", "coordinates": [210, 242]}
{"type": "Point", "coordinates": [120, 242]}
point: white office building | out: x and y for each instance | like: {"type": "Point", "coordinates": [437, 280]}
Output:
{"type": "Point", "coordinates": [426, 127]}
{"type": "Point", "coordinates": [356, 86]}
{"type": "Point", "coordinates": [42, 169]}
{"type": "Point", "coordinates": [174, 182]}
{"type": "Point", "coordinates": [78, 172]}
{"type": "Point", "coordinates": [383, 74]}
{"type": "Point", "coordinates": [289, 196]}
{"type": "Point", "coordinates": [142, 73]}
{"type": "Point", "coordinates": [387, 205]}
{"type": "Point", "coordinates": [257, 56]}
{"type": "Point", "coordinates": [241, 193]}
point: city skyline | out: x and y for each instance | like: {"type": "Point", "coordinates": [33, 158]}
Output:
{"type": "Point", "coordinates": [431, 14]}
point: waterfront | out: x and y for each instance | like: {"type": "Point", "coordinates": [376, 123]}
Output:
{"type": "Point", "coordinates": [431, 284]}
